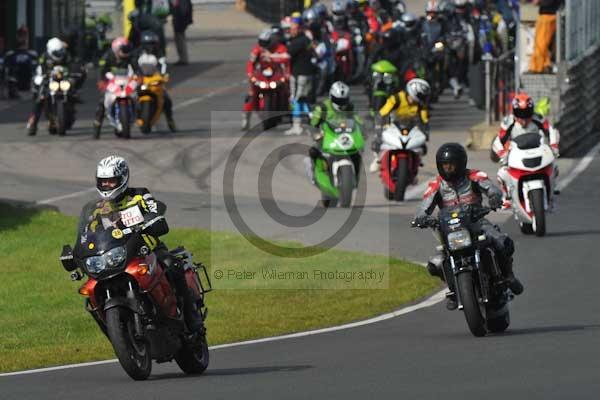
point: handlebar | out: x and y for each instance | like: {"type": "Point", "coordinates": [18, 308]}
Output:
{"type": "Point", "coordinates": [434, 223]}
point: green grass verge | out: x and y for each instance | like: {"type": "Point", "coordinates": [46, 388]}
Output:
{"type": "Point", "coordinates": [43, 323]}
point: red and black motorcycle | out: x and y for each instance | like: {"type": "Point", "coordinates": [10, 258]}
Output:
{"type": "Point", "coordinates": [344, 58]}
{"type": "Point", "coordinates": [129, 294]}
{"type": "Point", "coordinates": [272, 95]}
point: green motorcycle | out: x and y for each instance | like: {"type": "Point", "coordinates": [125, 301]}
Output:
{"type": "Point", "coordinates": [336, 172]}
{"type": "Point", "coordinates": [384, 83]}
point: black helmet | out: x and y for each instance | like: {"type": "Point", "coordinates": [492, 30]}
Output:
{"type": "Point", "coordinates": [149, 38]}
{"type": "Point", "coordinates": [453, 154]}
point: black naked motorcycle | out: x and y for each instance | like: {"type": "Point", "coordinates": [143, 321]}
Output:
{"type": "Point", "coordinates": [471, 268]}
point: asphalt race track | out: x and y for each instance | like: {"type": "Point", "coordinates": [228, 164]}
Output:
{"type": "Point", "coordinates": [549, 352]}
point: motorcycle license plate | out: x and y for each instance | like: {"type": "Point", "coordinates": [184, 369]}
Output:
{"type": "Point", "coordinates": [131, 216]}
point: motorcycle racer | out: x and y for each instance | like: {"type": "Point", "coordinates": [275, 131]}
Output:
{"type": "Point", "coordinates": [408, 104]}
{"type": "Point", "coordinates": [336, 106]}
{"type": "Point", "coordinates": [56, 55]}
{"type": "Point", "coordinates": [117, 58]}
{"type": "Point", "coordinates": [112, 184]}
{"type": "Point", "coordinates": [523, 120]}
{"type": "Point", "coordinates": [457, 185]}
{"type": "Point", "coordinates": [268, 52]}
{"type": "Point", "coordinates": [150, 44]}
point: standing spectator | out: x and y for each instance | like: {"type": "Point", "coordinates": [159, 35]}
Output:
{"type": "Point", "coordinates": [545, 28]}
{"type": "Point", "coordinates": [301, 52]}
{"type": "Point", "coordinates": [182, 18]}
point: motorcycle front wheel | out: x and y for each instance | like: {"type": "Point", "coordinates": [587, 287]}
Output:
{"type": "Point", "coordinates": [346, 185]}
{"type": "Point", "coordinates": [471, 309]}
{"type": "Point", "coordinates": [60, 118]}
{"type": "Point", "coordinates": [146, 116]}
{"type": "Point", "coordinates": [401, 179]}
{"type": "Point", "coordinates": [124, 120]}
{"type": "Point", "coordinates": [536, 199]}
{"type": "Point", "coordinates": [133, 354]}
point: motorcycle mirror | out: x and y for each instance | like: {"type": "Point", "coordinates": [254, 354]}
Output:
{"type": "Point", "coordinates": [66, 257]}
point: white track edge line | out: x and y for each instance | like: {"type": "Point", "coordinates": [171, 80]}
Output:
{"type": "Point", "coordinates": [430, 301]}
{"type": "Point", "coordinates": [583, 164]}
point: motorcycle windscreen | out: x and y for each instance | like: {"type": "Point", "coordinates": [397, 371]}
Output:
{"type": "Point", "coordinates": [100, 229]}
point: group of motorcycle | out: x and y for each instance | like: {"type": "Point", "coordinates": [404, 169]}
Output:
{"type": "Point", "coordinates": [129, 98]}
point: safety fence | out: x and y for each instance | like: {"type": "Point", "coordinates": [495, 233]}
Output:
{"type": "Point", "coordinates": [273, 10]}
{"type": "Point", "coordinates": [579, 117]}
{"type": "Point", "coordinates": [500, 85]}
{"type": "Point", "coordinates": [582, 27]}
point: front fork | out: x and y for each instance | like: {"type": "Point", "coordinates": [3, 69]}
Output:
{"type": "Point", "coordinates": [477, 270]}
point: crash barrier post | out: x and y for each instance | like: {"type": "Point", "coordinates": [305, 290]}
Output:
{"type": "Point", "coordinates": [273, 10]}
{"type": "Point", "coordinates": [499, 85]}
{"type": "Point", "coordinates": [578, 50]}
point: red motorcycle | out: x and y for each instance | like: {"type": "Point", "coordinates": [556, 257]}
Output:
{"type": "Point", "coordinates": [343, 56]}
{"type": "Point", "coordinates": [401, 151]}
{"type": "Point", "coordinates": [129, 295]}
{"type": "Point", "coordinates": [272, 95]}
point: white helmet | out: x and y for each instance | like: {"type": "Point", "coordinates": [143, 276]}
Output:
{"type": "Point", "coordinates": [56, 49]}
{"type": "Point", "coordinates": [418, 89]}
{"type": "Point", "coordinates": [339, 94]}
{"type": "Point", "coordinates": [112, 177]}
{"type": "Point", "coordinates": [147, 63]}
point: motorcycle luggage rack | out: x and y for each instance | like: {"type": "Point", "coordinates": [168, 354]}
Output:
{"type": "Point", "coordinates": [205, 288]}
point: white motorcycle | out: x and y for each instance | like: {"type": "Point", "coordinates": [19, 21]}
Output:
{"type": "Point", "coordinates": [530, 181]}
{"type": "Point", "coordinates": [401, 151]}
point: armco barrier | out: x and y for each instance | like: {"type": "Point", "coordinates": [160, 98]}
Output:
{"type": "Point", "coordinates": [273, 10]}
{"type": "Point", "coordinates": [579, 119]}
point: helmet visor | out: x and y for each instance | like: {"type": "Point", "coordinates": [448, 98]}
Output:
{"type": "Point", "coordinates": [341, 102]}
{"type": "Point", "coordinates": [106, 184]}
{"type": "Point", "coordinates": [523, 113]}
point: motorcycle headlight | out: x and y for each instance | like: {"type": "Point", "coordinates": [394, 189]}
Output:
{"type": "Point", "coordinates": [95, 264]}
{"type": "Point", "coordinates": [65, 86]}
{"type": "Point", "coordinates": [459, 240]}
{"type": "Point", "coordinates": [53, 86]}
{"type": "Point", "coordinates": [272, 85]}
{"type": "Point", "coordinates": [262, 85]}
{"type": "Point", "coordinates": [111, 259]}
{"type": "Point", "coordinates": [116, 256]}
{"type": "Point", "coordinates": [439, 46]}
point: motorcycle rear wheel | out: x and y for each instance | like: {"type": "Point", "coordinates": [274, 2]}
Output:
{"type": "Point", "coordinates": [472, 311]}
{"type": "Point", "coordinates": [134, 355]}
{"type": "Point", "coordinates": [193, 358]}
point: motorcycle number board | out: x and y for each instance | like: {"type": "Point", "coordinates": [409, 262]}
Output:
{"type": "Point", "coordinates": [131, 216]}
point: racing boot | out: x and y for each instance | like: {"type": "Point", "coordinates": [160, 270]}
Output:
{"type": "Point", "coordinates": [171, 124]}
{"type": "Point", "coordinates": [296, 128]}
{"type": "Point", "coordinates": [456, 87]}
{"type": "Point", "coordinates": [191, 314]}
{"type": "Point", "coordinates": [246, 120]}
{"type": "Point", "coordinates": [309, 168]}
{"type": "Point", "coordinates": [374, 166]}
{"type": "Point", "coordinates": [97, 129]}
{"type": "Point", "coordinates": [32, 125]}
{"type": "Point", "coordinates": [451, 303]}
{"type": "Point", "coordinates": [513, 283]}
